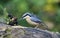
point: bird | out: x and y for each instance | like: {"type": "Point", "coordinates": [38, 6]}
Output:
{"type": "Point", "coordinates": [34, 20]}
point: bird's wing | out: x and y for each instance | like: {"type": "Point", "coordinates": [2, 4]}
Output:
{"type": "Point", "coordinates": [35, 19]}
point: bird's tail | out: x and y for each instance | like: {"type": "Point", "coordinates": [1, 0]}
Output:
{"type": "Point", "coordinates": [44, 26]}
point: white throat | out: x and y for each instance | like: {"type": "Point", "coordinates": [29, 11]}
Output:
{"type": "Point", "coordinates": [27, 17]}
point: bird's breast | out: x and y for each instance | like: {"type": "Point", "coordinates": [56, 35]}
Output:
{"type": "Point", "coordinates": [31, 22]}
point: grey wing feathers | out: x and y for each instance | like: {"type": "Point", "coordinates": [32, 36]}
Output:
{"type": "Point", "coordinates": [34, 19]}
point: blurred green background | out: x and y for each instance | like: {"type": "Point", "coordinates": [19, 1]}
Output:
{"type": "Point", "coordinates": [46, 10]}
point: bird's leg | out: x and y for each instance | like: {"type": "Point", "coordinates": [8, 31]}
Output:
{"type": "Point", "coordinates": [36, 26]}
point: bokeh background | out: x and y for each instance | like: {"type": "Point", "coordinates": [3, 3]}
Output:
{"type": "Point", "coordinates": [46, 10]}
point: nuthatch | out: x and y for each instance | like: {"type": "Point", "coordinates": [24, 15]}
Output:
{"type": "Point", "coordinates": [34, 20]}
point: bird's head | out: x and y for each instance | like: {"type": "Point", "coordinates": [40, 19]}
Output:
{"type": "Point", "coordinates": [26, 15]}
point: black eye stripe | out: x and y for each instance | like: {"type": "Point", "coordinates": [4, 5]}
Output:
{"type": "Point", "coordinates": [26, 15]}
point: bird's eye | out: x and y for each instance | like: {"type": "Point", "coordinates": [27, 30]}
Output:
{"type": "Point", "coordinates": [26, 15]}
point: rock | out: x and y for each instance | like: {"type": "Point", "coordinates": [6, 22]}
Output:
{"type": "Point", "coordinates": [26, 32]}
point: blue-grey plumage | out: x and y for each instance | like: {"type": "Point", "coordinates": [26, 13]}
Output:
{"type": "Point", "coordinates": [34, 20]}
